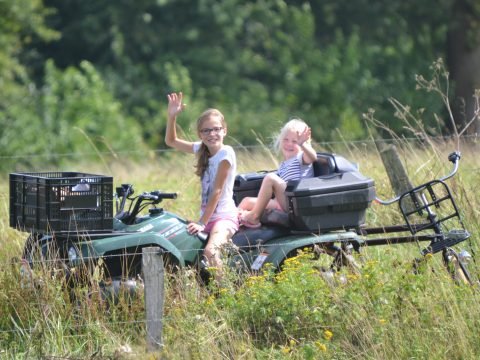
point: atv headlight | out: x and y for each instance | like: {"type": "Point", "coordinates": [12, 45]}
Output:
{"type": "Point", "coordinates": [72, 254]}
{"type": "Point", "coordinates": [464, 256]}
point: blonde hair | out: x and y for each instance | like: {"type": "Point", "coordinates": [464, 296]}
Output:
{"type": "Point", "coordinates": [203, 154]}
{"type": "Point", "coordinates": [294, 125]}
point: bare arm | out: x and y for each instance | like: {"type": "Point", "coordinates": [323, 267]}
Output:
{"type": "Point", "coordinates": [304, 141]}
{"type": "Point", "coordinates": [175, 107]}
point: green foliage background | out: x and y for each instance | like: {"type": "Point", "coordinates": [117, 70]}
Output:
{"type": "Point", "coordinates": [80, 75]}
{"type": "Point", "coordinates": [90, 77]}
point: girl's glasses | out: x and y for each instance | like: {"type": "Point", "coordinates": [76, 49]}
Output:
{"type": "Point", "coordinates": [208, 131]}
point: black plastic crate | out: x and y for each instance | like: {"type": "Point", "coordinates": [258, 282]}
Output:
{"type": "Point", "coordinates": [61, 202]}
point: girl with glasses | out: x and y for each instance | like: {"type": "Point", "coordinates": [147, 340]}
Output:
{"type": "Point", "coordinates": [216, 166]}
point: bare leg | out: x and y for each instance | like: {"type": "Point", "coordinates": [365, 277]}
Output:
{"type": "Point", "coordinates": [247, 203]}
{"type": "Point", "coordinates": [271, 185]}
{"type": "Point", "coordinates": [220, 235]}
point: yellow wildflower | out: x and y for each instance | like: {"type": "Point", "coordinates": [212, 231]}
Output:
{"type": "Point", "coordinates": [251, 281]}
{"type": "Point", "coordinates": [210, 300]}
{"type": "Point", "coordinates": [321, 346]}
{"type": "Point", "coordinates": [352, 276]}
{"type": "Point", "coordinates": [327, 334]}
{"type": "Point", "coordinates": [286, 349]}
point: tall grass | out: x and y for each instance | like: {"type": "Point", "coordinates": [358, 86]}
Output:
{"type": "Point", "coordinates": [386, 312]}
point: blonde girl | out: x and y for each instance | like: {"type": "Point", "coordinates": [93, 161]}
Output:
{"type": "Point", "coordinates": [294, 142]}
{"type": "Point", "coordinates": [216, 167]}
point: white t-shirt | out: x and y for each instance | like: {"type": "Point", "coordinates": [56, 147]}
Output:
{"type": "Point", "coordinates": [226, 205]}
{"type": "Point", "coordinates": [294, 168]}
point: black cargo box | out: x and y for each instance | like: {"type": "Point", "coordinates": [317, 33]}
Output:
{"type": "Point", "coordinates": [247, 185]}
{"type": "Point", "coordinates": [330, 202]}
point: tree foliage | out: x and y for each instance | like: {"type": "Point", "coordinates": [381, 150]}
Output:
{"type": "Point", "coordinates": [261, 62]}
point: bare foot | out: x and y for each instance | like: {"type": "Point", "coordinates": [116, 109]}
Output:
{"type": "Point", "coordinates": [247, 219]}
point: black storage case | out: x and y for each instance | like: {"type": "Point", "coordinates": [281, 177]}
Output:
{"type": "Point", "coordinates": [247, 185]}
{"type": "Point", "coordinates": [61, 202]}
{"type": "Point", "coordinates": [330, 202]}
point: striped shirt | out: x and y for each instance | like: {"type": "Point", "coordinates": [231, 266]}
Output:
{"type": "Point", "coordinates": [294, 169]}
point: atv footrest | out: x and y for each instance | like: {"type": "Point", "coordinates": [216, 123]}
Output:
{"type": "Point", "coordinates": [245, 239]}
{"type": "Point", "coordinates": [452, 238]}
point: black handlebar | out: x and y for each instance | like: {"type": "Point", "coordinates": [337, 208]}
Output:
{"type": "Point", "coordinates": [125, 191]}
{"type": "Point", "coordinates": [157, 195]}
{"type": "Point", "coordinates": [163, 195]}
{"type": "Point", "coordinates": [454, 157]}
{"type": "Point", "coordinates": [147, 196]}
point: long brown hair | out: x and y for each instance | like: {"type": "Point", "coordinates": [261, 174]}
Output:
{"type": "Point", "coordinates": [203, 153]}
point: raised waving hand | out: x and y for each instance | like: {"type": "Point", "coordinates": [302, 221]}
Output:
{"type": "Point", "coordinates": [175, 104]}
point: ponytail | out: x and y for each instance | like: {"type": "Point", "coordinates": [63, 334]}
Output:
{"type": "Point", "coordinates": [202, 160]}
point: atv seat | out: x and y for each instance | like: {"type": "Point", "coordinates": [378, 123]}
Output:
{"type": "Point", "coordinates": [324, 165]}
{"type": "Point", "coordinates": [248, 238]}
{"type": "Point", "coordinates": [328, 163]}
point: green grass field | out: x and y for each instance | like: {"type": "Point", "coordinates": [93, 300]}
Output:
{"type": "Point", "coordinates": [385, 312]}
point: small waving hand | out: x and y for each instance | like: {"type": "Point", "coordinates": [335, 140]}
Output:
{"type": "Point", "coordinates": [304, 136]}
{"type": "Point", "coordinates": [175, 105]}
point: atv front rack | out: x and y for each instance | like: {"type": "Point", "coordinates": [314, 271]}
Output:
{"type": "Point", "coordinates": [434, 203]}
{"type": "Point", "coordinates": [423, 200]}
{"type": "Point", "coordinates": [430, 214]}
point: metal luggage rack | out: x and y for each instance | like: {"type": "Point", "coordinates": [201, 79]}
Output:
{"type": "Point", "coordinates": [431, 206]}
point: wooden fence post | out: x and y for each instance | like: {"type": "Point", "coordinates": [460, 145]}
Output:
{"type": "Point", "coordinates": [396, 172]}
{"type": "Point", "coordinates": [153, 272]}
{"type": "Point", "coordinates": [395, 169]}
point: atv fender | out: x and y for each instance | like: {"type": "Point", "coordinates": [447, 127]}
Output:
{"type": "Point", "coordinates": [279, 253]}
{"type": "Point", "coordinates": [98, 248]}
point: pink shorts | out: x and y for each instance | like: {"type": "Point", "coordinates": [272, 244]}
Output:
{"type": "Point", "coordinates": [230, 222]}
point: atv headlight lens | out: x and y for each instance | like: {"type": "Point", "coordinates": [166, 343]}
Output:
{"type": "Point", "coordinates": [72, 254]}
{"type": "Point", "coordinates": [464, 256]}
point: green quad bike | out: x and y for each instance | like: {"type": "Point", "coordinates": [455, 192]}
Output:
{"type": "Point", "coordinates": [71, 222]}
